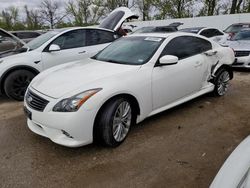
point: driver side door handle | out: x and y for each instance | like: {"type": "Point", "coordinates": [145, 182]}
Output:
{"type": "Point", "coordinates": [210, 53]}
{"type": "Point", "coordinates": [82, 52]}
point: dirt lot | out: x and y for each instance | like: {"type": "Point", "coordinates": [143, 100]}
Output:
{"type": "Point", "coordinates": [182, 147]}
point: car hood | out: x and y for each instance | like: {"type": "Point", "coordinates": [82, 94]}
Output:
{"type": "Point", "coordinates": [115, 19]}
{"type": "Point", "coordinates": [87, 74]}
{"type": "Point", "coordinates": [239, 45]}
{"type": "Point", "coordinates": [13, 52]}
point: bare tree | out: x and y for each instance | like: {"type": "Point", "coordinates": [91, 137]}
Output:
{"type": "Point", "coordinates": [50, 12]}
{"type": "Point", "coordinates": [173, 9]}
{"type": "Point", "coordinates": [113, 4]}
{"type": "Point", "coordinates": [33, 19]}
{"type": "Point", "coordinates": [10, 16]}
{"type": "Point", "coordinates": [85, 12]}
{"type": "Point", "coordinates": [144, 7]}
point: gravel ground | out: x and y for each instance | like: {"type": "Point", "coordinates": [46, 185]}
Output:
{"type": "Point", "coordinates": [182, 147]}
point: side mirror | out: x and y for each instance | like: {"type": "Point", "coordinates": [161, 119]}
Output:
{"type": "Point", "coordinates": [54, 48]}
{"type": "Point", "coordinates": [168, 60]}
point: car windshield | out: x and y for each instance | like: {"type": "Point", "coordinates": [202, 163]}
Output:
{"type": "Point", "coordinates": [243, 35]}
{"type": "Point", "coordinates": [135, 50]}
{"type": "Point", "coordinates": [235, 28]}
{"type": "Point", "coordinates": [39, 41]}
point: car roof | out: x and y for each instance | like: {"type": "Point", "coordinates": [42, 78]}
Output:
{"type": "Point", "coordinates": [25, 31]}
{"type": "Point", "coordinates": [241, 24]}
{"type": "Point", "coordinates": [164, 35]}
{"type": "Point", "coordinates": [74, 28]}
{"type": "Point", "coordinates": [192, 29]}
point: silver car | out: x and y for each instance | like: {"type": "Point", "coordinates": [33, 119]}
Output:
{"type": "Point", "coordinates": [241, 45]}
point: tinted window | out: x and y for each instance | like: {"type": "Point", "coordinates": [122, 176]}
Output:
{"type": "Point", "coordinates": [96, 36]}
{"type": "Point", "coordinates": [207, 33]}
{"type": "Point", "coordinates": [211, 33]}
{"type": "Point", "coordinates": [186, 46]}
{"type": "Point", "coordinates": [217, 32]}
{"type": "Point", "coordinates": [71, 39]}
{"type": "Point", "coordinates": [112, 20]}
{"type": "Point", "coordinates": [26, 35]}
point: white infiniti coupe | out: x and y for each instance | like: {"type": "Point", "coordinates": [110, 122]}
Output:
{"type": "Point", "coordinates": [133, 78]}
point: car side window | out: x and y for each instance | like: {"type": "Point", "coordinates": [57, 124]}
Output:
{"type": "Point", "coordinates": [207, 33]}
{"type": "Point", "coordinates": [217, 32]}
{"type": "Point", "coordinates": [96, 36]}
{"type": "Point", "coordinates": [71, 39]}
{"type": "Point", "coordinates": [186, 46]}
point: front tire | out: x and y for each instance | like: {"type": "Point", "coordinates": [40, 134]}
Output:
{"type": "Point", "coordinates": [16, 84]}
{"type": "Point", "coordinates": [115, 121]}
{"type": "Point", "coordinates": [221, 82]}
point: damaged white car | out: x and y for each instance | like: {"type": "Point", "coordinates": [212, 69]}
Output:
{"type": "Point", "coordinates": [133, 78]}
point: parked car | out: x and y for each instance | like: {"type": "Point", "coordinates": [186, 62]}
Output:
{"type": "Point", "coordinates": [212, 33]}
{"type": "Point", "coordinates": [135, 77]}
{"type": "Point", "coordinates": [26, 36]}
{"type": "Point", "coordinates": [235, 28]}
{"type": "Point", "coordinates": [240, 42]}
{"type": "Point", "coordinates": [235, 172]}
{"type": "Point", "coordinates": [160, 29]}
{"type": "Point", "coordinates": [55, 48]}
{"type": "Point", "coordinates": [8, 43]}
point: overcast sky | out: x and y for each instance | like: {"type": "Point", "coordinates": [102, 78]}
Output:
{"type": "Point", "coordinates": [19, 3]}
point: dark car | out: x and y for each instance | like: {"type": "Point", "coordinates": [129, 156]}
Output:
{"type": "Point", "coordinates": [173, 27]}
{"type": "Point", "coordinates": [26, 36]}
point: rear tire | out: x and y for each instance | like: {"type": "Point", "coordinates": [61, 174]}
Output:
{"type": "Point", "coordinates": [16, 83]}
{"type": "Point", "coordinates": [114, 122]}
{"type": "Point", "coordinates": [221, 82]}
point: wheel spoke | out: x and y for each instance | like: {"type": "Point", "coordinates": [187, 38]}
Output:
{"type": "Point", "coordinates": [122, 121]}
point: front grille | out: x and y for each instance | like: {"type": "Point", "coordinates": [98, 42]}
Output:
{"type": "Point", "coordinates": [35, 102]}
{"type": "Point", "coordinates": [242, 53]}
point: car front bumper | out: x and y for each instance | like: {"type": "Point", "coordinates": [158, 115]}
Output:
{"type": "Point", "coordinates": [71, 129]}
{"type": "Point", "coordinates": [242, 62]}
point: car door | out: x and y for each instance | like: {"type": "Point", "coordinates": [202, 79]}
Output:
{"type": "Point", "coordinates": [72, 47]}
{"type": "Point", "coordinates": [173, 82]}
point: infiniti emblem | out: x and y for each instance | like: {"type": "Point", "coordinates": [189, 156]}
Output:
{"type": "Point", "coordinates": [29, 99]}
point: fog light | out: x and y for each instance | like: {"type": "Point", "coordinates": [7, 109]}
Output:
{"type": "Point", "coordinates": [66, 134]}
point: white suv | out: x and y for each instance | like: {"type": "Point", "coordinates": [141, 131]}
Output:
{"type": "Point", "coordinates": [55, 48]}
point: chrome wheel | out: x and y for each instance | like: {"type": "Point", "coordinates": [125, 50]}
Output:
{"type": "Point", "coordinates": [223, 83]}
{"type": "Point", "coordinates": [122, 121]}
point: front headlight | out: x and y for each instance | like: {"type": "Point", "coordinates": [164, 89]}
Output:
{"type": "Point", "coordinates": [72, 104]}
